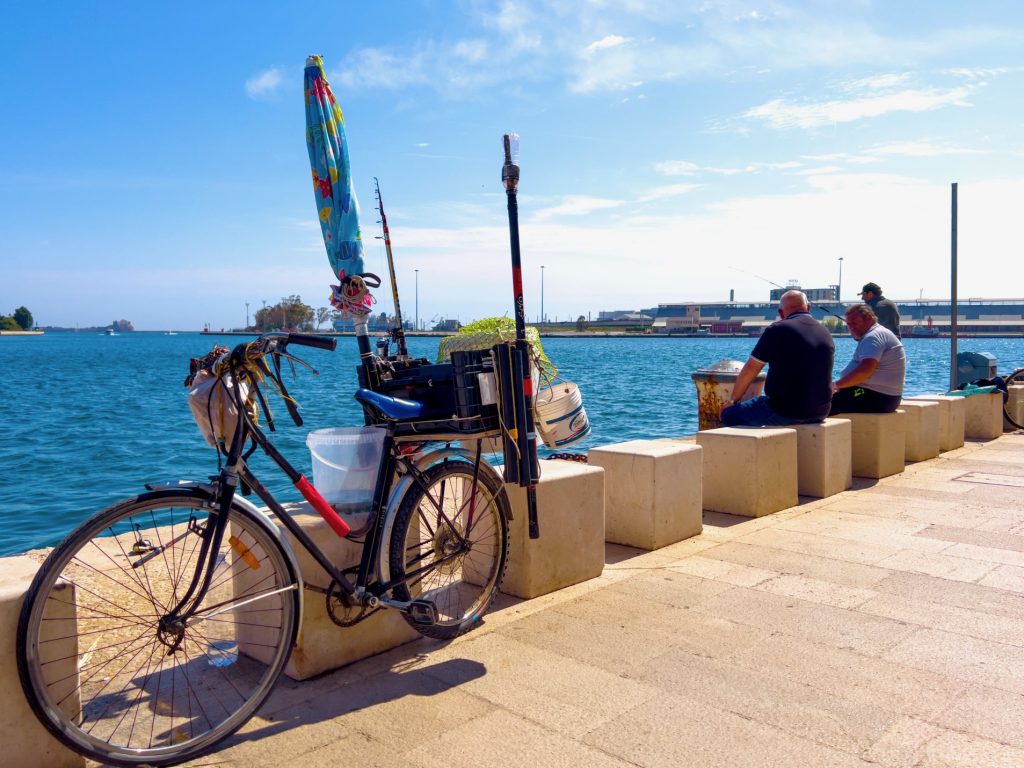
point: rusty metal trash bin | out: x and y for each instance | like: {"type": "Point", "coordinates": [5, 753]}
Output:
{"type": "Point", "coordinates": [714, 386]}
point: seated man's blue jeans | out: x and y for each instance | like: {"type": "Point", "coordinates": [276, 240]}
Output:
{"type": "Point", "coordinates": [757, 413]}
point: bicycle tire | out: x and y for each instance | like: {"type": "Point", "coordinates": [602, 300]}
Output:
{"type": "Point", "coordinates": [93, 663]}
{"type": "Point", "coordinates": [429, 525]}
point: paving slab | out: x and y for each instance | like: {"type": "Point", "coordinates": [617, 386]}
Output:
{"type": "Point", "coordinates": [883, 626]}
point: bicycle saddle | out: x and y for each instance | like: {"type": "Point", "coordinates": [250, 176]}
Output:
{"type": "Point", "coordinates": [391, 407]}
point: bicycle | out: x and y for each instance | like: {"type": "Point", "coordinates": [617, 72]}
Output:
{"type": "Point", "coordinates": [159, 626]}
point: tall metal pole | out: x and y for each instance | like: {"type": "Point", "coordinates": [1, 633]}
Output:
{"type": "Point", "coordinates": [952, 293]}
{"type": "Point", "coordinates": [417, 299]}
{"type": "Point", "coordinates": [247, 315]}
{"type": "Point", "coordinates": [543, 319]}
{"type": "Point", "coordinates": [839, 285]}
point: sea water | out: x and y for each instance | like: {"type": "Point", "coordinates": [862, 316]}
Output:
{"type": "Point", "coordinates": [88, 419]}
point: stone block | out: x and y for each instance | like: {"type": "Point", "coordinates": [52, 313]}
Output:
{"type": "Point", "coordinates": [322, 645]}
{"type": "Point", "coordinates": [570, 514]}
{"type": "Point", "coordinates": [879, 443]}
{"type": "Point", "coordinates": [922, 427]}
{"type": "Point", "coordinates": [951, 419]}
{"type": "Point", "coordinates": [1014, 407]}
{"type": "Point", "coordinates": [749, 472]}
{"type": "Point", "coordinates": [824, 457]}
{"type": "Point", "coordinates": [26, 743]}
{"type": "Point", "coordinates": [652, 492]}
{"type": "Point", "coordinates": [983, 416]}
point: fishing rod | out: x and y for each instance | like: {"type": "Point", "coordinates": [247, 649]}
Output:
{"type": "Point", "coordinates": [513, 364]}
{"type": "Point", "coordinates": [398, 332]}
{"type": "Point", "coordinates": [826, 310]}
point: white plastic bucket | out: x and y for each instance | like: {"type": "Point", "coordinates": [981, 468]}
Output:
{"type": "Point", "coordinates": [559, 415]}
{"type": "Point", "coordinates": [345, 463]}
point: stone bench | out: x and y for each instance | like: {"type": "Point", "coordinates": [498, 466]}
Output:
{"type": "Point", "coordinates": [322, 645]}
{"type": "Point", "coordinates": [570, 515]}
{"type": "Point", "coordinates": [983, 416]}
{"type": "Point", "coordinates": [749, 471]}
{"type": "Point", "coordinates": [26, 743]}
{"type": "Point", "coordinates": [951, 419]}
{"type": "Point", "coordinates": [922, 429]}
{"type": "Point", "coordinates": [652, 492]}
{"type": "Point", "coordinates": [878, 444]}
{"type": "Point", "coordinates": [1014, 406]}
{"type": "Point", "coordinates": [824, 461]}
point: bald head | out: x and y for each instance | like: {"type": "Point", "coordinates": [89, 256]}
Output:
{"type": "Point", "coordinates": [793, 301]}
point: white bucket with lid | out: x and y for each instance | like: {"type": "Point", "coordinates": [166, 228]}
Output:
{"type": "Point", "coordinates": [559, 415]}
{"type": "Point", "coordinates": [345, 463]}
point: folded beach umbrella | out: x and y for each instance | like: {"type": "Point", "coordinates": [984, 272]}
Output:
{"type": "Point", "coordinates": [336, 201]}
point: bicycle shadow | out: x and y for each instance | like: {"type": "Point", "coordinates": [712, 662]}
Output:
{"type": "Point", "coordinates": [299, 703]}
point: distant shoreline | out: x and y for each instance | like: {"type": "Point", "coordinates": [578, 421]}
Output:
{"type": "Point", "coordinates": [21, 333]}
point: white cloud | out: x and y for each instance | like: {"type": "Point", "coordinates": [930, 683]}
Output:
{"type": "Point", "coordinates": [470, 50]}
{"type": "Point", "coordinates": [781, 114]}
{"type": "Point", "coordinates": [609, 41]}
{"type": "Point", "coordinates": [669, 190]}
{"type": "Point", "coordinates": [677, 168]}
{"type": "Point", "coordinates": [265, 85]}
{"type": "Point", "coordinates": [576, 205]}
{"type": "Point", "coordinates": [922, 149]}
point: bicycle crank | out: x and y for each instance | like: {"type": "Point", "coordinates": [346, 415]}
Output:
{"type": "Point", "coordinates": [422, 612]}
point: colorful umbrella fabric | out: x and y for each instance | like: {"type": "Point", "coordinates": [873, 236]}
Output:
{"type": "Point", "coordinates": [335, 197]}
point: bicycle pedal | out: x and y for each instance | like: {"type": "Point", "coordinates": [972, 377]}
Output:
{"type": "Point", "coordinates": [422, 612]}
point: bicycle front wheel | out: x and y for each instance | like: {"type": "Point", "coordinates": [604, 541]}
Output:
{"type": "Point", "coordinates": [449, 545]}
{"type": "Point", "coordinates": [112, 681]}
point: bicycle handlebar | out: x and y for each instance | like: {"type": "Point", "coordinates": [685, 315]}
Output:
{"type": "Point", "coordinates": [307, 340]}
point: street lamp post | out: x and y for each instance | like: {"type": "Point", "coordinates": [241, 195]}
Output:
{"type": "Point", "coordinates": [839, 285]}
{"type": "Point", "coordinates": [417, 299]}
{"type": "Point", "coordinates": [247, 315]}
{"type": "Point", "coordinates": [542, 318]}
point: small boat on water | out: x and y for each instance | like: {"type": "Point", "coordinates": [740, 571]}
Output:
{"type": "Point", "coordinates": [925, 330]}
{"type": "Point", "coordinates": [111, 332]}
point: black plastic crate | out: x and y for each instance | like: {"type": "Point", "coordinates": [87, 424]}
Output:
{"type": "Point", "coordinates": [473, 415]}
{"type": "Point", "coordinates": [417, 380]}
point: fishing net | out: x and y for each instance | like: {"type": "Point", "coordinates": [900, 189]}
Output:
{"type": "Point", "coordinates": [485, 333]}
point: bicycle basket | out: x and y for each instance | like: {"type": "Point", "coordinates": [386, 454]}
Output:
{"type": "Point", "coordinates": [212, 403]}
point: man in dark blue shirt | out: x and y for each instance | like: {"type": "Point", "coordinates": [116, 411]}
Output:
{"type": "Point", "coordinates": [799, 353]}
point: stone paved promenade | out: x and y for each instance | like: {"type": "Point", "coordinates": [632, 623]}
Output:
{"type": "Point", "coordinates": [881, 627]}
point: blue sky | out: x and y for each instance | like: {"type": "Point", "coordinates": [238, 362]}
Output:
{"type": "Point", "coordinates": [153, 163]}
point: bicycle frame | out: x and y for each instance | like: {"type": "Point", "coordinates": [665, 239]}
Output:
{"type": "Point", "coordinates": [365, 590]}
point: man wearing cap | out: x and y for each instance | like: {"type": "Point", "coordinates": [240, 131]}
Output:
{"type": "Point", "coordinates": [799, 353]}
{"type": "Point", "coordinates": [873, 381]}
{"type": "Point", "coordinates": [885, 310]}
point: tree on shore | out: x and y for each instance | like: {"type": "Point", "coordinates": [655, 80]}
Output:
{"type": "Point", "coordinates": [23, 318]}
{"type": "Point", "coordinates": [8, 323]}
{"type": "Point", "coordinates": [290, 312]}
{"type": "Point", "coordinates": [322, 314]}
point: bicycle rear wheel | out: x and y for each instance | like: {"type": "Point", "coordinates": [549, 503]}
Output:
{"type": "Point", "coordinates": [107, 679]}
{"type": "Point", "coordinates": [449, 544]}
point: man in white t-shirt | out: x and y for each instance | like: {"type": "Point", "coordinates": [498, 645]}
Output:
{"type": "Point", "coordinates": [873, 381]}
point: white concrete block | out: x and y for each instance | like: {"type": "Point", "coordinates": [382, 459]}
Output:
{"type": "Point", "coordinates": [26, 743]}
{"type": "Point", "coordinates": [824, 457]}
{"type": "Point", "coordinates": [652, 492]}
{"type": "Point", "coordinates": [1014, 407]}
{"type": "Point", "coordinates": [322, 645]}
{"type": "Point", "coordinates": [570, 515]}
{"type": "Point", "coordinates": [951, 419]}
{"type": "Point", "coordinates": [749, 471]}
{"type": "Point", "coordinates": [983, 418]}
{"type": "Point", "coordinates": [922, 426]}
{"type": "Point", "coordinates": [879, 443]}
